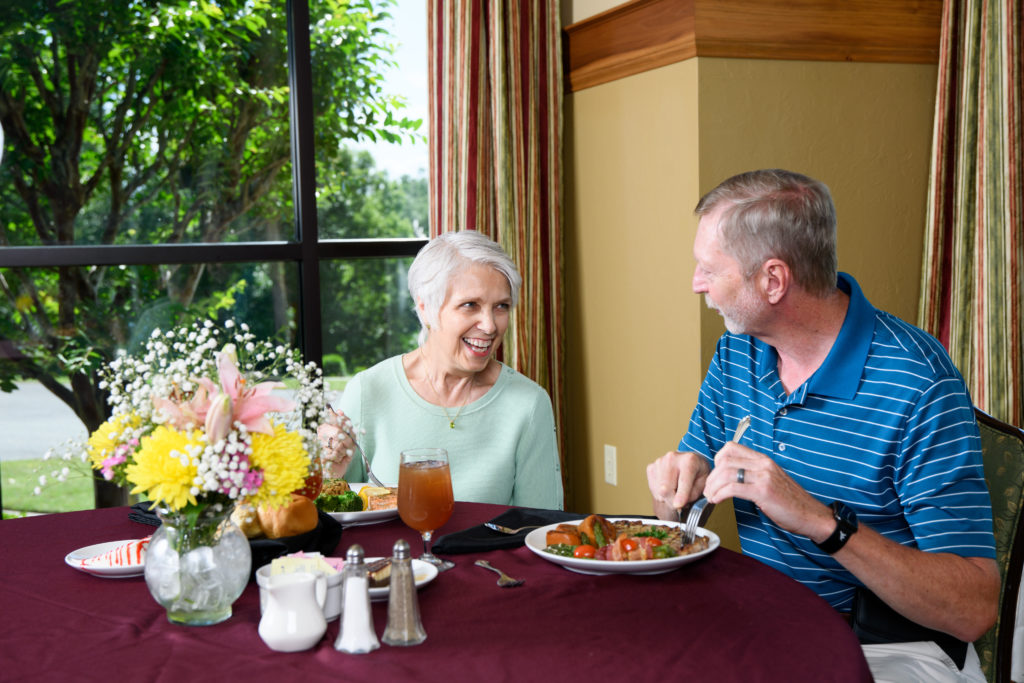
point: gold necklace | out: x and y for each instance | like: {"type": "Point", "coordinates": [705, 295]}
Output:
{"type": "Point", "coordinates": [451, 420]}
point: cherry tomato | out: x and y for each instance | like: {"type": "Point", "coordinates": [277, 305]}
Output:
{"type": "Point", "coordinates": [628, 544]}
{"type": "Point", "coordinates": [584, 551]}
{"type": "Point", "coordinates": [652, 541]}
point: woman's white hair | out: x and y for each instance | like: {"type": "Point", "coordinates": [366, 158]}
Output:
{"type": "Point", "coordinates": [446, 256]}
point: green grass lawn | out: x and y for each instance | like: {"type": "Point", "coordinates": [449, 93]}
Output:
{"type": "Point", "coordinates": [19, 478]}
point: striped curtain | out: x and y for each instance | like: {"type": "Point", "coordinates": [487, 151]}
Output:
{"type": "Point", "coordinates": [495, 94]}
{"type": "Point", "coordinates": [972, 297]}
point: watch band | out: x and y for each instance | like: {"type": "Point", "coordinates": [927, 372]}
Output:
{"type": "Point", "coordinates": [846, 526]}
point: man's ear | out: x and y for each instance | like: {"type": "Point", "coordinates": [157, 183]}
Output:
{"type": "Point", "coordinates": [776, 279]}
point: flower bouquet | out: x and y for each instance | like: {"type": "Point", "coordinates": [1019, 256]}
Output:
{"type": "Point", "coordinates": [197, 427]}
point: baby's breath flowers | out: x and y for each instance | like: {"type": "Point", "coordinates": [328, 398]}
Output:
{"type": "Point", "coordinates": [198, 418]}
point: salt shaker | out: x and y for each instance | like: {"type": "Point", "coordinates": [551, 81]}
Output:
{"type": "Point", "coordinates": [404, 625]}
{"type": "Point", "coordinates": [356, 635]}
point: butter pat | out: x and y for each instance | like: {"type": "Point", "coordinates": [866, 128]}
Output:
{"type": "Point", "coordinates": [301, 562]}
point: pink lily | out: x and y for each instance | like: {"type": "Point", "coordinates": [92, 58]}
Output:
{"type": "Point", "coordinates": [238, 403]}
{"type": "Point", "coordinates": [180, 415]}
{"type": "Point", "coordinates": [218, 418]}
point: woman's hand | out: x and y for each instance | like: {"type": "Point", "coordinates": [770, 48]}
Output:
{"type": "Point", "coordinates": [338, 443]}
{"type": "Point", "coordinates": [675, 480]}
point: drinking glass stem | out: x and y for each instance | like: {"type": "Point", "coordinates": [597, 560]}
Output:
{"type": "Point", "coordinates": [442, 565]}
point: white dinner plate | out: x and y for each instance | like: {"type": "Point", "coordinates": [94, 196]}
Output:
{"type": "Point", "coordinates": [422, 572]}
{"type": "Point", "coordinates": [536, 541]}
{"type": "Point", "coordinates": [363, 516]}
{"type": "Point", "coordinates": [75, 557]}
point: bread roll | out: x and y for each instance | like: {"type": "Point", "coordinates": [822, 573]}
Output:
{"type": "Point", "coordinates": [246, 519]}
{"type": "Point", "coordinates": [295, 518]}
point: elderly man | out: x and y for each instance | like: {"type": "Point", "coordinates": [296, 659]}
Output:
{"type": "Point", "coordinates": [861, 474]}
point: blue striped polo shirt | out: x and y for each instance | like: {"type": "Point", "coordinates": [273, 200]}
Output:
{"type": "Point", "coordinates": [885, 425]}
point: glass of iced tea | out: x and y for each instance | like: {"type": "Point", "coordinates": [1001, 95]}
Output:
{"type": "Point", "coordinates": [425, 498]}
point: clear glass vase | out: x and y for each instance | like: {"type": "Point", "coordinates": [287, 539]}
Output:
{"type": "Point", "coordinates": [197, 565]}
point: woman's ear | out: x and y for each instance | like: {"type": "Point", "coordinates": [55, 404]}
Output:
{"type": "Point", "coordinates": [421, 309]}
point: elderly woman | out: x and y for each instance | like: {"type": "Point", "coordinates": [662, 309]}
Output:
{"type": "Point", "coordinates": [496, 424]}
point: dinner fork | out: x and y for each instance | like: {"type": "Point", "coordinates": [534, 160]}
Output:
{"type": "Point", "coordinates": [504, 580]}
{"type": "Point", "coordinates": [366, 463]}
{"type": "Point", "coordinates": [690, 530]}
{"type": "Point", "coordinates": [507, 530]}
{"type": "Point", "coordinates": [366, 466]}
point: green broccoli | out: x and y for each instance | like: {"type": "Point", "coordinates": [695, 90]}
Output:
{"type": "Point", "coordinates": [345, 502]}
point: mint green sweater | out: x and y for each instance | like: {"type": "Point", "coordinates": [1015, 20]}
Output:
{"type": "Point", "coordinates": [502, 450]}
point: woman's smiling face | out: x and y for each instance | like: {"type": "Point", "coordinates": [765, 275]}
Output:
{"type": "Point", "coordinates": [472, 320]}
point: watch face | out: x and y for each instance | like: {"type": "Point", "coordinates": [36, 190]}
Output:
{"type": "Point", "coordinates": [845, 516]}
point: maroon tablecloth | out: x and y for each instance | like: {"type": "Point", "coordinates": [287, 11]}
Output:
{"type": "Point", "coordinates": [725, 617]}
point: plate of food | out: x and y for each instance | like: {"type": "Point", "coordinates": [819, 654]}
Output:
{"type": "Point", "coordinates": [111, 560]}
{"type": "Point", "coordinates": [619, 545]}
{"type": "Point", "coordinates": [354, 504]}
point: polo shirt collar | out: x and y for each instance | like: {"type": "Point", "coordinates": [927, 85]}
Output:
{"type": "Point", "coordinates": [840, 373]}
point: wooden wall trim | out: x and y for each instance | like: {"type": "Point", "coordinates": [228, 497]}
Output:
{"type": "Point", "coordinates": [644, 34]}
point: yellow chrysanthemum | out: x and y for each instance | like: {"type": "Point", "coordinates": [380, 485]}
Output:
{"type": "Point", "coordinates": [285, 464]}
{"type": "Point", "coordinates": [164, 467]}
{"type": "Point", "coordinates": [102, 442]}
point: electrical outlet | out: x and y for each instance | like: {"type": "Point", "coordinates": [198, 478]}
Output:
{"type": "Point", "coordinates": [610, 465]}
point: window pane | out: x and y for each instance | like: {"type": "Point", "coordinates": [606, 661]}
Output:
{"type": "Point", "coordinates": [59, 325]}
{"type": "Point", "coordinates": [367, 312]}
{"type": "Point", "coordinates": [372, 159]}
{"type": "Point", "coordinates": [177, 131]}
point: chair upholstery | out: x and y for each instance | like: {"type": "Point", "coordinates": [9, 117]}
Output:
{"type": "Point", "coordinates": [1002, 447]}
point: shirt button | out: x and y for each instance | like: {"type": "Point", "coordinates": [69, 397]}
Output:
{"type": "Point", "coordinates": [782, 412]}
{"type": "Point", "coordinates": [782, 447]}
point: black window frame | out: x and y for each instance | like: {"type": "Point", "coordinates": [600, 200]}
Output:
{"type": "Point", "coordinates": [306, 250]}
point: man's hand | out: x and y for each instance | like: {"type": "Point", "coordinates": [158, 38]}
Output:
{"type": "Point", "coordinates": [675, 480]}
{"type": "Point", "coordinates": [957, 595]}
{"type": "Point", "coordinates": [766, 485]}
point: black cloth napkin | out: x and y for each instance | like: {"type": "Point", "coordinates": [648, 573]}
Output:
{"type": "Point", "coordinates": [323, 539]}
{"type": "Point", "coordinates": [479, 538]}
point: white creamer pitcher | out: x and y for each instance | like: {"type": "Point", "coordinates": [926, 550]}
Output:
{"type": "Point", "coordinates": [293, 619]}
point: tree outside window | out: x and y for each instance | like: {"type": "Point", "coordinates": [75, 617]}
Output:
{"type": "Point", "coordinates": [170, 122]}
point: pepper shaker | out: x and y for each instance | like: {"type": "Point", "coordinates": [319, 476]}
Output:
{"type": "Point", "coordinates": [404, 625]}
{"type": "Point", "coordinates": [356, 635]}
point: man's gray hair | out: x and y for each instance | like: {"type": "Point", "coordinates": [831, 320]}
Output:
{"type": "Point", "coordinates": [446, 256]}
{"type": "Point", "coordinates": [778, 214]}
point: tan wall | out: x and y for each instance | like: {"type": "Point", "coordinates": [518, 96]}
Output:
{"type": "Point", "coordinates": [639, 152]}
{"type": "Point", "coordinates": [632, 349]}
{"type": "Point", "coordinates": [576, 10]}
{"type": "Point", "coordinates": [863, 129]}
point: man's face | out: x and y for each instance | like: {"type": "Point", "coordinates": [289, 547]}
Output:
{"type": "Point", "coordinates": [719, 277]}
